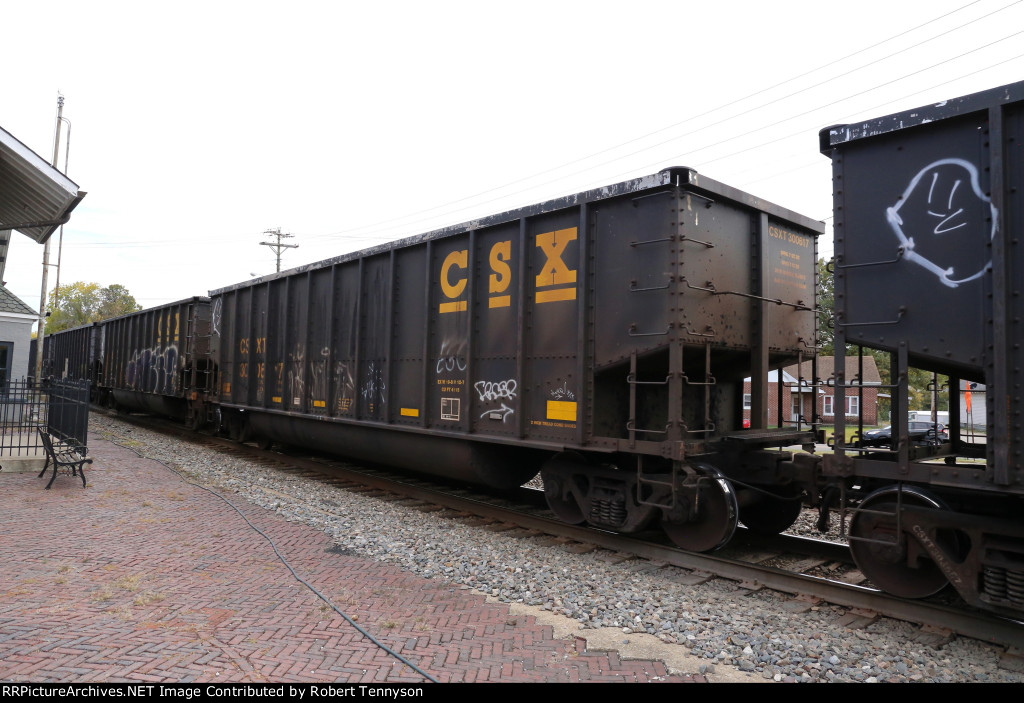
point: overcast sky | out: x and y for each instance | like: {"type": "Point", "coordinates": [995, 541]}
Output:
{"type": "Point", "coordinates": [198, 126]}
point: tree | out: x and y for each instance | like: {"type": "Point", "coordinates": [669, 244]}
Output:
{"type": "Point", "coordinates": [826, 306]}
{"type": "Point", "coordinates": [115, 300]}
{"type": "Point", "coordinates": [919, 381]}
{"type": "Point", "coordinates": [81, 303]}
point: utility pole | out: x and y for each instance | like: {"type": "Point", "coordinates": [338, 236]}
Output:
{"type": "Point", "coordinates": [278, 246]}
{"type": "Point", "coordinates": [46, 256]}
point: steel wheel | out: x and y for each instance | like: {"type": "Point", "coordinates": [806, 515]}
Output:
{"type": "Point", "coordinates": [717, 517]}
{"type": "Point", "coordinates": [892, 560]}
{"type": "Point", "coordinates": [773, 512]}
{"type": "Point", "coordinates": [557, 475]}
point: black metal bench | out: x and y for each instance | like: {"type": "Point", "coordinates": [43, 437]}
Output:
{"type": "Point", "coordinates": [69, 460]}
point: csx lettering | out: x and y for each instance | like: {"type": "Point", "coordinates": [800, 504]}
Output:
{"type": "Point", "coordinates": [555, 272]}
{"type": "Point", "coordinates": [501, 253]}
{"type": "Point", "coordinates": [454, 280]}
{"type": "Point", "coordinates": [787, 236]}
{"type": "Point", "coordinates": [556, 278]}
{"type": "Point", "coordinates": [163, 327]}
{"type": "Point", "coordinates": [458, 259]}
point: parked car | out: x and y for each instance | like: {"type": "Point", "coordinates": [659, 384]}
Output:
{"type": "Point", "coordinates": [920, 433]}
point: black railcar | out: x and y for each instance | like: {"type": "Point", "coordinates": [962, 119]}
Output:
{"type": "Point", "coordinates": [160, 361]}
{"type": "Point", "coordinates": [601, 338]}
{"type": "Point", "coordinates": [929, 218]}
{"type": "Point", "coordinates": [75, 354]}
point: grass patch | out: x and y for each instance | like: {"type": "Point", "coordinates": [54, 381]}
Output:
{"type": "Point", "coordinates": [129, 583]}
{"type": "Point", "coordinates": [147, 597]}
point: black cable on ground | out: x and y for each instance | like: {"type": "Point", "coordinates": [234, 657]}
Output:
{"type": "Point", "coordinates": [284, 561]}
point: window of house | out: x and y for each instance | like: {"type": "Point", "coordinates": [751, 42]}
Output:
{"type": "Point", "coordinates": [6, 358]}
{"type": "Point", "coordinates": [746, 401]}
{"type": "Point", "coordinates": [852, 405]}
{"type": "Point", "coordinates": [829, 410]}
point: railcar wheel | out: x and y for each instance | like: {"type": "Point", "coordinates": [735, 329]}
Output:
{"type": "Point", "coordinates": [238, 428]}
{"type": "Point", "coordinates": [558, 475]}
{"type": "Point", "coordinates": [772, 512]}
{"type": "Point", "coordinates": [892, 560]}
{"type": "Point", "coordinates": [717, 514]}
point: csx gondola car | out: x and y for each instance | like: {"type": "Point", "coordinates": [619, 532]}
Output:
{"type": "Point", "coordinates": [602, 339]}
{"type": "Point", "coordinates": [929, 220]}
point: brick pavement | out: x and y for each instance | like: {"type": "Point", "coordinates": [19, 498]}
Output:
{"type": "Point", "coordinates": [141, 577]}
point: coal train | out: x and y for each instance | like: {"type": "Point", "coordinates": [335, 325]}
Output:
{"type": "Point", "coordinates": [627, 344]}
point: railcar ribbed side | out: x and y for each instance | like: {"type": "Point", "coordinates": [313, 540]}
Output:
{"type": "Point", "coordinates": [618, 324]}
{"type": "Point", "coordinates": [928, 224]}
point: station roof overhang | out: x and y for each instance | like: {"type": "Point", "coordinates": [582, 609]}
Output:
{"type": "Point", "coordinates": [35, 198]}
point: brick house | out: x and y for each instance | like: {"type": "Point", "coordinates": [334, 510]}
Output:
{"type": "Point", "coordinates": [799, 394]}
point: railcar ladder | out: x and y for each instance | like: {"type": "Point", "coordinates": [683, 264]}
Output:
{"type": "Point", "coordinates": [199, 411]}
{"type": "Point", "coordinates": [676, 379]}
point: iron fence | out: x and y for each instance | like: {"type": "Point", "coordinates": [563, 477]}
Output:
{"type": "Point", "coordinates": [61, 407]}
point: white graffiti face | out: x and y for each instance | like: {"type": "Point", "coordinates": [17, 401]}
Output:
{"type": "Point", "coordinates": [940, 221]}
{"type": "Point", "coordinates": [215, 317]}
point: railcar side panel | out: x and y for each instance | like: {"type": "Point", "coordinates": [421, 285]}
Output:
{"type": "Point", "coordinates": [554, 252]}
{"type": "Point", "coordinates": [496, 390]}
{"type": "Point", "coordinates": [449, 337]}
{"type": "Point", "coordinates": [523, 329]}
{"type": "Point", "coordinates": [919, 225]}
{"type": "Point", "coordinates": [298, 393]}
{"type": "Point", "coordinates": [74, 354]}
{"type": "Point", "coordinates": [157, 360]}
{"type": "Point", "coordinates": [928, 220]}
{"type": "Point", "coordinates": [374, 338]}
{"type": "Point", "coordinates": [345, 339]}
{"type": "Point", "coordinates": [408, 363]}
{"type": "Point", "coordinates": [257, 381]}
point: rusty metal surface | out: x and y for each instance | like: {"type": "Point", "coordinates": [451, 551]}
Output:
{"type": "Point", "coordinates": [522, 327]}
{"type": "Point", "coordinates": [156, 360]}
{"type": "Point", "coordinates": [74, 354]}
{"type": "Point", "coordinates": [927, 228]}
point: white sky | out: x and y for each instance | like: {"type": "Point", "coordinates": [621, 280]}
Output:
{"type": "Point", "coordinates": [197, 126]}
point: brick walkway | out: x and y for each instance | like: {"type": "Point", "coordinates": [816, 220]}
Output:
{"type": "Point", "coordinates": [142, 577]}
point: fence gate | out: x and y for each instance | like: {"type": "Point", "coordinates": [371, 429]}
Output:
{"type": "Point", "coordinates": [62, 407]}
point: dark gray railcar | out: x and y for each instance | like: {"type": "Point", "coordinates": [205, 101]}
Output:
{"type": "Point", "coordinates": [928, 228]}
{"type": "Point", "coordinates": [159, 361]}
{"type": "Point", "coordinates": [605, 336]}
{"type": "Point", "coordinates": [74, 354]}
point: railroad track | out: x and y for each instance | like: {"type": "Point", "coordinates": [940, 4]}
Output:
{"type": "Point", "coordinates": [810, 571]}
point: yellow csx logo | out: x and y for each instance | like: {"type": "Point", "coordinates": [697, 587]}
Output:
{"type": "Point", "coordinates": [555, 282]}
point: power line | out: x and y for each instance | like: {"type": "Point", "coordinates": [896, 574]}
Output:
{"type": "Point", "coordinates": [277, 246]}
{"type": "Point", "coordinates": [420, 213]}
